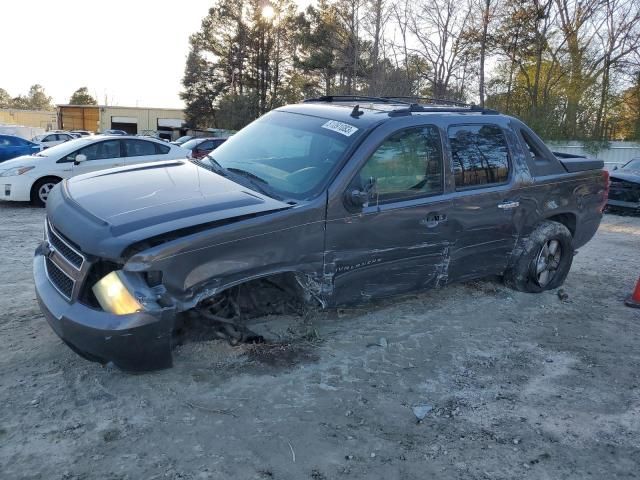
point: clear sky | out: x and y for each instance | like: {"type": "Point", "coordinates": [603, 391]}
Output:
{"type": "Point", "coordinates": [131, 51]}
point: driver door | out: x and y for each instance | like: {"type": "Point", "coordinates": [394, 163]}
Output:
{"type": "Point", "coordinates": [398, 240]}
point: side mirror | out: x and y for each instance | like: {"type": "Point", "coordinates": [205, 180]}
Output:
{"type": "Point", "coordinates": [360, 198]}
{"type": "Point", "coordinates": [80, 158]}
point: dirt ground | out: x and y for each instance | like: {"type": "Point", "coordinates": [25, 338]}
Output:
{"type": "Point", "coordinates": [519, 385]}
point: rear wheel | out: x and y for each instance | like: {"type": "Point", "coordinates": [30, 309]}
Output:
{"type": "Point", "coordinates": [41, 189]}
{"type": "Point", "coordinates": [544, 261]}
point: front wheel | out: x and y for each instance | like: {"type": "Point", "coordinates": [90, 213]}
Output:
{"type": "Point", "coordinates": [544, 259]}
{"type": "Point", "coordinates": [41, 189]}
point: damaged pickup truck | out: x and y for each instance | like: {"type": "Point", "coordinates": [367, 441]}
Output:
{"type": "Point", "coordinates": [338, 200]}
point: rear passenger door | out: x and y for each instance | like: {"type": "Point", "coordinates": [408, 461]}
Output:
{"type": "Point", "coordinates": [485, 202]}
{"type": "Point", "coordinates": [139, 151]}
{"type": "Point", "coordinates": [398, 241]}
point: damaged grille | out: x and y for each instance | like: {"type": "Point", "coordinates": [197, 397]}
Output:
{"type": "Point", "coordinates": [60, 280]}
{"type": "Point", "coordinates": [69, 253]}
{"type": "Point", "coordinates": [623, 187]}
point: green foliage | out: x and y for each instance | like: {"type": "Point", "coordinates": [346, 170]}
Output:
{"type": "Point", "coordinates": [560, 65]}
{"type": "Point", "coordinates": [82, 97]}
{"type": "Point", "coordinates": [236, 111]}
{"type": "Point", "coordinates": [36, 99]}
{"type": "Point", "coordinates": [593, 147]}
{"type": "Point", "coordinates": [5, 98]}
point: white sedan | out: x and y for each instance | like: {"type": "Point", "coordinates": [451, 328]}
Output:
{"type": "Point", "coordinates": [31, 177]}
{"type": "Point", "coordinates": [51, 139]}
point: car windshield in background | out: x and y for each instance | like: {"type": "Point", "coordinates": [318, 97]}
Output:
{"type": "Point", "coordinates": [289, 154]}
{"type": "Point", "coordinates": [191, 144]}
{"type": "Point", "coordinates": [633, 164]}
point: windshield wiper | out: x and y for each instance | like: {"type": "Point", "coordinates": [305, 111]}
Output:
{"type": "Point", "coordinates": [217, 168]}
{"type": "Point", "coordinates": [256, 181]}
{"type": "Point", "coordinates": [248, 174]}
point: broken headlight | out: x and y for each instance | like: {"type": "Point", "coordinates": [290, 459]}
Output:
{"type": "Point", "coordinates": [113, 296]}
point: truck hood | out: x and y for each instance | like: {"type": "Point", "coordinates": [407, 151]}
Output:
{"type": "Point", "coordinates": [628, 175]}
{"type": "Point", "coordinates": [106, 211]}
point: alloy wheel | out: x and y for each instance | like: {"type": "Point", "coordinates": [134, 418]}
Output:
{"type": "Point", "coordinates": [43, 191]}
{"type": "Point", "coordinates": [547, 262]}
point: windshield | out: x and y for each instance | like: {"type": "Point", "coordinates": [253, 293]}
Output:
{"type": "Point", "coordinates": [191, 144]}
{"type": "Point", "coordinates": [633, 164]}
{"type": "Point", "coordinates": [183, 139]}
{"type": "Point", "coordinates": [287, 153]}
{"type": "Point", "coordinates": [63, 148]}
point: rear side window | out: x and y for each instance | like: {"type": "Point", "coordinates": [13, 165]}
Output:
{"type": "Point", "coordinates": [480, 155]}
{"type": "Point", "coordinates": [138, 148]}
{"type": "Point", "coordinates": [161, 149]}
{"type": "Point", "coordinates": [407, 164]}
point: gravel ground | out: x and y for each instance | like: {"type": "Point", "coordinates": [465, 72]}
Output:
{"type": "Point", "coordinates": [518, 386]}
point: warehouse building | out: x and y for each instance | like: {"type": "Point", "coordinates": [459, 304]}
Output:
{"type": "Point", "coordinates": [168, 122]}
{"type": "Point", "coordinates": [41, 119]}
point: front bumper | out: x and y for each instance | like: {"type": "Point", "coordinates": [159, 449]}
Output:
{"type": "Point", "coordinates": [136, 342]}
{"type": "Point", "coordinates": [623, 204]}
{"type": "Point", "coordinates": [17, 189]}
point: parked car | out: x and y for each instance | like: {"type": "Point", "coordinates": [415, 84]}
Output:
{"type": "Point", "coordinates": [334, 201]}
{"type": "Point", "coordinates": [114, 132]}
{"type": "Point", "coordinates": [82, 133]}
{"type": "Point", "coordinates": [199, 147]}
{"type": "Point", "coordinates": [182, 140]}
{"type": "Point", "coordinates": [50, 139]}
{"type": "Point", "coordinates": [31, 178]}
{"type": "Point", "coordinates": [12, 146]}
{"type": "Point", "coordinates": [624, 193]}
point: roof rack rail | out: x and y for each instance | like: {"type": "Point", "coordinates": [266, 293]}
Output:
{"type": "Point", "coordinates": [431, 100]}
{"type": "Point", "coordinates": [437, 105]}
{"type": "Point", "coordinates": [350, 98]}
{"type": "Point", "coordinates": [414, 107]}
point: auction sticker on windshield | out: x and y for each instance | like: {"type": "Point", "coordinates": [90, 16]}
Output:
{"type": "Point", "coordinates": [340, 127]}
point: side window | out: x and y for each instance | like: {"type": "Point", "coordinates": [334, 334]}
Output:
{"type": "Point", "coordinates": [407, 164]}
{"type": "Point", "coordinates": [480, 155]}
{"type": "Point", "coordinates": [138, 148]}
{"type": "Point", "coordinates": [49, 138]}
{"type": "Point", "coordinates": [97, 151]}
{"type": "Point", "coordinates": [161, 149]}
{"type": "Point", "coordinates": [206, 145]}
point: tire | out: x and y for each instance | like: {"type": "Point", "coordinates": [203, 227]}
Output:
{"type": "Point", "coordinates": [40, 190]}
{"type": "Point", "coordinates": [548, 249]}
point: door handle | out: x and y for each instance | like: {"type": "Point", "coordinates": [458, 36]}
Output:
{"type": "Point", "coordinates": [508, 205]}
{"type": "Point", "coordinates": [433, 219]}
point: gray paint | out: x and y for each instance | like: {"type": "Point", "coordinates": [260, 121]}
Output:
{"type": "Point", "coordinates": [206, 233]}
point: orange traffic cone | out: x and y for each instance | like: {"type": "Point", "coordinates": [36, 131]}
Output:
{"type": "Point", "coordinates": [634, 299]}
